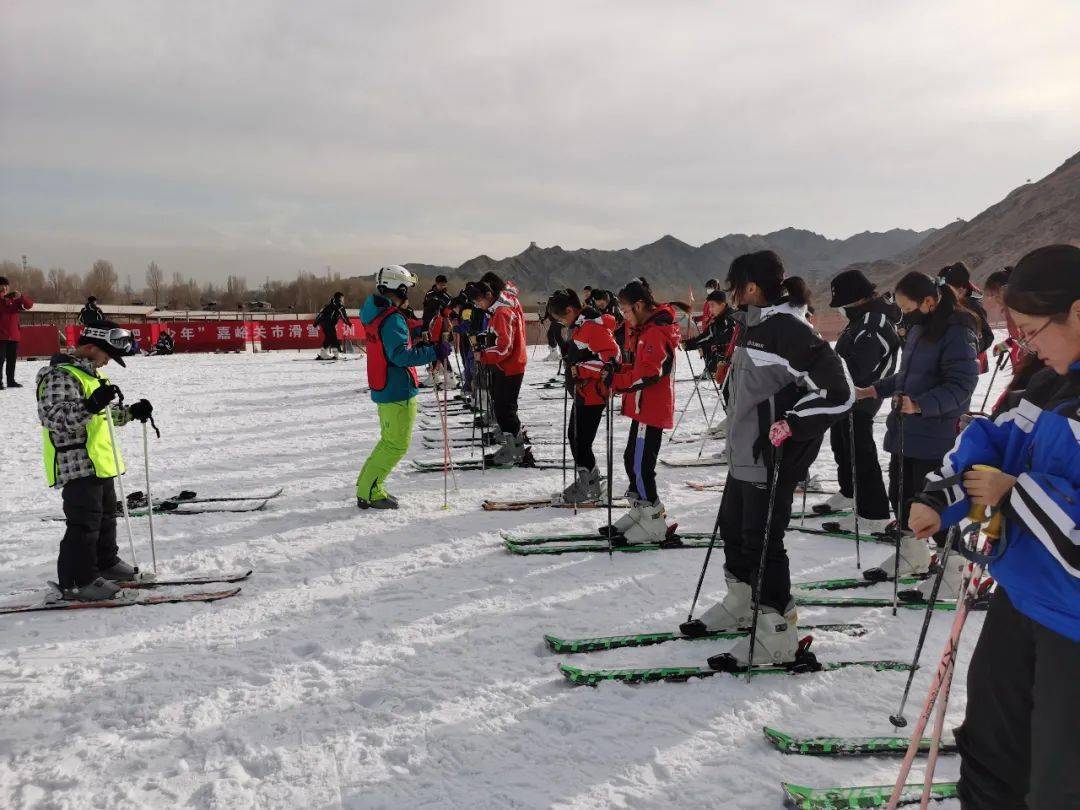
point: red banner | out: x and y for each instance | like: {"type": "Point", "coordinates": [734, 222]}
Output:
{"type": "Point", "coordinates": [296, 334]}
{"type": "Point", "coordinates": [145, 334]}
{"type": "Point", "coordinates": [38, 341]}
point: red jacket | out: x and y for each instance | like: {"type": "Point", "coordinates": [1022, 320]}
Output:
{"type": "Point", "coordinates": [10, 307]}
{"type": "Point", "coordinates": [592, 346]}
{"type": "Point", "coordinates": [647, 377]}
{"type": "Point", "coordinates": [509, 354]}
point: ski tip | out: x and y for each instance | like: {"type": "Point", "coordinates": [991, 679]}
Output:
{"type": "Point", "coordinates": [778, 738]}
{"type": "Point", "coordinates": [575, 675]}
{"type": "Point", "coordinates": [554, 643]}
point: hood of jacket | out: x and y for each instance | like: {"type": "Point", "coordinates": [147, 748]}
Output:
{"type": "Point", "coordinates": [374, 306]}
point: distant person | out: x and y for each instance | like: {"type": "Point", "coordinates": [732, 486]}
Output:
{"type": "Point", "coordinates": [91, 313]}
{"type": "Point", "coordinates": [958, 277]}
{"type": "Point", "coordinates": [436, 300]}
{"type": "Point", "coordinates": [12, 302]}
{"type": "Point", "coordinates": [164, 344]}
{"type": "Point", "coordinates": [328, 318]}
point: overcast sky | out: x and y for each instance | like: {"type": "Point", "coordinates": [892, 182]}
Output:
{"type": "Point", "coordinates": [262, 138]}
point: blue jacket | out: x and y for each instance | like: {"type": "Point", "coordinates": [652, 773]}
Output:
{"type": "Point", "coordinates": [1038, 441]}
{"type": "Point", "coordinates": [394, 334]}
{"type": "Point", "coordinates": [940, 377]}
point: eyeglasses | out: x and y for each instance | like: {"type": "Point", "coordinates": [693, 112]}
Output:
{"type": "Point", "coordinates": [117, 338]}
{"type": "Point", "coordinates": [1024, 341]}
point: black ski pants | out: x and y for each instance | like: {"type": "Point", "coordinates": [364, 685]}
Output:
{"type": "Point", "coordinates": [330, 338]}
{"type": "Point", "coordinates": [915, 470]}
{"type": "Point", "coordinates": [744, 510]}
{"type": "Point", "coordinates": [639, 459]}
{"type": "Point", "coordinates": [8, 351]}
{"type": "Point", "coordinates": [554, 334]}
{"type": "Point", "coordinates": [89, 544]}
{"type": "Point", "coordinates": [505, 390]}
{"type": "Point", "coordinates": [581, 432]}
{"type": "Point", "coordinates": [1019, 746]}
{"type": "Point", "coordinates": [873, 502]}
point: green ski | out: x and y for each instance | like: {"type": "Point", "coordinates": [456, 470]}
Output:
{"type": "Point", "coordinates": [807, 798]}
{"type": "Point", "coordinates": [598, 643]}
{"type": "Point", "coordinates": [868, 602]}
{"type": "Point", "coordinates": [845, 583]}
{"type": "Point", "coordinates": [591, 677]}
{"type": "Point", "coordinates": [849, 746]}
{"type": "Point", "coordinates": [594, 535]}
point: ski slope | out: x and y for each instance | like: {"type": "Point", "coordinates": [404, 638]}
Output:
{"type": "Point", "coordinates": [386, 660]}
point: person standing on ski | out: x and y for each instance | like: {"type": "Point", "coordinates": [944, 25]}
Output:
{"type": "Point", "coordinates": [12, 303]}
{"type": "Point", "coordinates": [590, 347]}
{"type": "Point", "coordinates": [958, 278]}
{"type": "Point", "coordinates": [328, 318]}
{"type": "Point", "coordinates": [715, 333]}
{"type": "Point", "coordinates": [501, 347]}
{"type": "Point", "coordinates": [392, 380]}
{"type": "Point", "coordinates": [869, 346]}
{"type": "Point", "coordinates": [72, 398]}
{"type": "Point", "coordinates": [91, 312]}
{"type": "Point", "coordinates": [931, 391]}
{"type": "Point", "coordinates": [646, 380]}
{"type": "Point", "coordinates": [1018, 742]}
{"type": "Point", "coordinates": [436, 300]}
{"type": "Point", "coordinates": [785, 389]}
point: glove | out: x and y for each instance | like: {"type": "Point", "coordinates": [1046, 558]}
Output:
{"type": "Point", "coordinates": [442, 350]}
{"type": "Point", "coordinates": [1003, 347]}
{"type": "Point", "coordinates": [141, 410]}
{"type": "Point", "coordinates": [608, 373]}
{"type": "Point", "coordinates": [779, 433]}
{"type": "Point", "coordinates": [100, 399]}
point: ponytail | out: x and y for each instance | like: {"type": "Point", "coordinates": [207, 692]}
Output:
{"type": "Point", "coordinates": [919, 286]}
{"type": "Point", "coordinates": [798, 292]}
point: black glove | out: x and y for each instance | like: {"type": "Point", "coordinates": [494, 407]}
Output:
{"type": "Point", "coordinates": [485, 340]}
{"type": "Point", "coordinates": [100, 399]}
{"type": "Point", "coordinates": [609, 373]}
{"type": "Point", "coordinates": [141, 410]}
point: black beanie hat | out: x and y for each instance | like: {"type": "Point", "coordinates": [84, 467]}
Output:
{"type": "Point", "coordinates": [719, 296]}
{"type": "Point", "coordinates": [849, 287]}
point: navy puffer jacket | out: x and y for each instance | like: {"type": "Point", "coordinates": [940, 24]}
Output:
{"type": "Point", "coordinates": [940, 377]}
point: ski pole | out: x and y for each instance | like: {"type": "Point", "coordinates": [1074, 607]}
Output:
{"type": "Point", "coordinates": [1000, 364]}
{"type": "Point", "coordinates": [708, 426]}
{"type": "Point", "coordinates": [898, 720]}
{"type": "Point", "coordinates": [697, 388]}
{"type": "Point", "coordinates": [968, 592]}
{"type": "Point", "coordinates": [149, 491]}
{"type": "Point", "coordinates": [565, 399]}
{"type": "Point", "coordinates": [761, 562]}
{"type": "Point", "coordinates": [902, 466]}
{"type": "Point", "coordinates": [610, 472]}
{"type": "Point", "coordinates": [705, 565]}
{"type": "Point", "coordinates": [854, 487]}
{"type": "Point", "coordinates": [805, 486]}
{"type": "Point", "coordinates": [120, 482]}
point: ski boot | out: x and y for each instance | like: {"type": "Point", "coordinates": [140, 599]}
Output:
{"type": "Point", "coordinates": [119, 571]}
{"type": "Point", "coordinates": [733, 612]}
{"type": "Point", "coordinates": [649, 526]}
{"type": "Point", "coordinates": [952, 580]}
{"type": "Point", "coordinates": [835, 503]}
{"type": "Point", "coordinates": [386, 502]}
{"type": "Point", "coordinates": [620, 526]}
{"type": "Point", "coordinates": [776, 643]}
{"type": "Point", "coordinates": [914, 561]}
{"type": "Point", "coordinates": [97, 591]}
{"type": "Point", "coordinates": [513, 452]}
{"type": "Point", "coordinates": [324, 354]}
{"type": "Point", "coordinates": [553, 355]}
{"type": "Point", "coordinates": [867, 526]}
{"type": "Point", "coordinates": [584, 489]}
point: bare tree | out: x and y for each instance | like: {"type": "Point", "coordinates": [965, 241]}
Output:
{"type": "Point", "coordinates": [101, 280]}
{"type": "Point", "coordinates": [155, 279]}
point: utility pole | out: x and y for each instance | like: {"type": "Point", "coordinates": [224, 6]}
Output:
{"type": "Point", "coordinates": [24, 264]}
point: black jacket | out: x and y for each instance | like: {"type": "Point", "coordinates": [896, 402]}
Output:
{"type": "Point", "coordinates": [715, 339]}
{"type": "Point", "coordinates": [330, 314]}
{"type": "Point", "coordinates": [434, 303]}
{"type": "Point", "coordinates": [869, 345]}
{"type": "Point", "coordinates": [91, 313]}
{"type": "Point", "coordinates": [973, 302]}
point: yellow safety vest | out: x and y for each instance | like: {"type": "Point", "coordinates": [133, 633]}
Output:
{"type": "Point", "coordinates": [98, 444]}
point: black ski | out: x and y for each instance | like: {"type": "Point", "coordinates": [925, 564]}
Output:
{"type": "Point", "coordinates": [123, 600]}
{"type": "Point", "coordinates": [598, 643]}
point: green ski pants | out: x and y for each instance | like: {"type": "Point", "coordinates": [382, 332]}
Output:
{"type": "Point", "coordinates": [396, 424]}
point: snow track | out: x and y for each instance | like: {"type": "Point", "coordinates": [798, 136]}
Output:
{"type": "Point", "coordinates": [394, 659]}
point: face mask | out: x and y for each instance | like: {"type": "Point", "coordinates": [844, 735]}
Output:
{"type": "Point", "coordinates": [915, 318]}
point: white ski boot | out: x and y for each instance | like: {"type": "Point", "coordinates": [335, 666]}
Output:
{"type": "Point", "coordinates": [719, 430]}
{"type": "Point", "coordinates": [553, 355]}
{"type": "Point", "coordinates": [914, 561]}
{"type": "Point", "coordinates": [837, 502]}
{"type": "Point", "coordinates": [951, 581]}
{"type": "Point", "coordinates": [733, 612]}
{"type": "Point", "coordinates": [867, 526]}
{"type": "Point", "coordinates": [324, 354]}
{"type": "Point", "coordinates": [776, 642]}
{"type": "Point", "coordinates": [624, 522]}
{"type": "Point", "coordinates": [650, 525]}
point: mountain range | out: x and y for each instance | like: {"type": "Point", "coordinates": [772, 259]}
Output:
{"type": "Point", "coordinates": [1034, 214]}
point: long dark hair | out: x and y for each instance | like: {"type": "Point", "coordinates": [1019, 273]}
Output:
{"type": "Point", "coordinates": [494, 281]}
{"type": "Point", "coordinates": [918, 286]}
{"type": "Point", "coordinates": [956, 275]}
{"type": "Point", "coordinates": [1045, 282]}
{"type": "Point", "coordinates": [561, 300]}
{"type": "Point", "coordinates": [636, 291]}
{"type": "Point", "coordinates": [763, 268]}
{"type": "Point", "coordinates": [997, 279]}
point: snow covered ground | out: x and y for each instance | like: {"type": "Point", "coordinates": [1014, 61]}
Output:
{"type": "Point", "coordinates": [395, 660]}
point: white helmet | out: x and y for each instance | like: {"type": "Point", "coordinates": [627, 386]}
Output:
{"type": "Point", "coordinates": [394, 276]}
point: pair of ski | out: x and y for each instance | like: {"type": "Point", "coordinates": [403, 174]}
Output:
{"type": "Point", "coordinates": [553, 503]}
{"type": "Point", "coordinates": [137, 503]}
{"type": "Point", "coordinates": [436, 465]}
{"type": "Point", "coordinates": [718, 486]}
{"type": "Point", "coordinates": [138, 592]}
